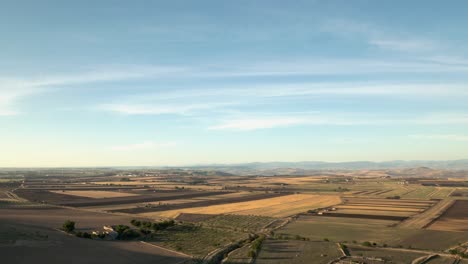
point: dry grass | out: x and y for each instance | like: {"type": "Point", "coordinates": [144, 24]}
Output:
{"type": "Point", "coordinates": [96, 194]}
{"type": "Point", "coordinates": [276, 207]}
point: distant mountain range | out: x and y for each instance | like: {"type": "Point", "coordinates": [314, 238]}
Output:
{"type": "Point", "coordinates": [306, 167]}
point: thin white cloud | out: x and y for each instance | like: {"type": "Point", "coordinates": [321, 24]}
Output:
{"type": "Point", "coordinates": [12, 90]}
{"type": "Point", "coordinates": [313, 89]}
{"type": "Point", "coordinates": [377, 37]}
{"type": "Point", "coordinates": [265, 122]}
{"type": "Point", "coordinates": [319, 66]}
{"type": "Point", "coordinates": [144, 145]}
{"type": "Point", "coordinates": [402, 44]}
{"type": "Point", "coordinates": [448, 137]}
{"type": "Point", "coordinates": [258, 123]}
{"type": "Point", "coordinates": [155, 109]}
{"type": "Point", "coordinates": [252, 122]}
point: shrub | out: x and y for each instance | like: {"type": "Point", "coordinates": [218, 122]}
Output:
{"type": "Point", "coordinates": [69, 226]}
{"type": "Point", "coordinates": [367, 244]}
{"type": "Point", "coordinates": [121, 228]}
{"type": "Point", "coordinates": [135, 223]}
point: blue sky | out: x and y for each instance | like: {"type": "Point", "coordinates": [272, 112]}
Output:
{"type": "Point", "coordinates": [100, 83]}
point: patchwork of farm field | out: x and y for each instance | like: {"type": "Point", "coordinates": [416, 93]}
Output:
{"type": "Point", "coordinates": [343, 229]}
{"type": "Point", "coordinates": [174, 205]}
{"type": "Point", "coordinates": [282, 206]}
{"type": "Point", "coordinates": [59, 198]}
{"type": "Point", "coordinates": [370, 255]}
{"type": "Point", "coordinates": [455, 218]}
{"type": "Point", "coordinates": [398, 209]}
{"type": "Point", "coordinates": [304, 219]}
{"type": "Point", "coordinates": [196, 240]}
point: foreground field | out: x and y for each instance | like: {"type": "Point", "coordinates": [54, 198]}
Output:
{"type": "Point", "coordinates": [454, 219]}
{"type": "Point", "coordinates": [297, 252]}
{"type": "Point", "coordinates": [274, 207]}
{"type": "Point", "coordinates": [378, 231]}
{"type": "Point", "coordinates": [25, 244]}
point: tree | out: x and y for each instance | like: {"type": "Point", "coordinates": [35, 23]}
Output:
{"type": "Point", "coordinates": [69, 226]}
{"type": "Point", "coordinates": [367, 244]}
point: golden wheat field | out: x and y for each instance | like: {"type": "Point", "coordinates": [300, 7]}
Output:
{"type": "Point", "coordinates": [277, 207]}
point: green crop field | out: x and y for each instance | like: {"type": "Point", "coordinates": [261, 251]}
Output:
{"type": "Point", "coordinates": [387, 255]}
{"type": "Point", "coordinates": [195, 240]}
{"type": "Point", "coordinates": [244, 223]}
{"type": "Point", "coordinates": [300, 252]}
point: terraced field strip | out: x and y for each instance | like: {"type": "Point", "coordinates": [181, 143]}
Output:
{"type": "Point", "coordinates": [371, 212]}
{"type": "Point", "coordinates": [423, 219]}
{"type": "Point", "coordinates": [390, 201]}
{"type": "Point", "coordinates": [95, 194]}
{"type": "Point", "coordinates": [74, 201]}
{"type": "Point", "coordinates": [167, 207]}
{"type": "Point", "coordinates": [387, 200]}
{"type": "Point", "coordinates": [362, 215]}
{"type": "Point", "coordinates": [377, 208]}
{"type": "Point", "coordinates": [388, 205]}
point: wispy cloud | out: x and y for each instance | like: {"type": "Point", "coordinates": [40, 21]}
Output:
{"type": "Point", "coordinates": [313, 89]}
{"type": "Point", "coordinates": [449, 137]}
{"type": "Point", "coordinates": [13, 89]}
{"type": "Point", "coordinates": [251, 122]}
{"type": "Point", "coordinates": [144, 145]}
{"type": "Point", "coordinates": [259, 123]}
{"type": "Point", "coordinates": [149, 109]}
{"type": "Point", "coordinates": [377, 37]}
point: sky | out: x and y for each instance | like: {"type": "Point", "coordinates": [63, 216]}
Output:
{"type": "Point", "coordinates": [155, 83]}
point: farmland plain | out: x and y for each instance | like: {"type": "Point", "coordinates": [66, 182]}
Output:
{"type": "Point", "coordinates": [328, 216]}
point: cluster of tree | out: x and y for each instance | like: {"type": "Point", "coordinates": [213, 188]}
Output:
{"type": "Point", "coordinates": [396, 197]}
{"type": "Point", "coordinates": [125, 232]}
{"type": "Point", "coordinates": [146, 226]}
{"type": "Point", "coordinates": [256, 246]}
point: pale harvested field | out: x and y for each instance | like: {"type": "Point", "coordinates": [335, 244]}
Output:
{"type": "Point", "coordinates": [379, 208]}
{"type": "Point", "coordinates": [276, 207]}
{"type": "Point", "coordinates": [423, 219]}
{"type": "Point", "coordinates": [372, 212]}
{"type": "Point", "coordinates": [96, 194]}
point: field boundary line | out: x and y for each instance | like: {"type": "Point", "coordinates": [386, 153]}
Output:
{"type": "Point", "coordinates": [428, 252]}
